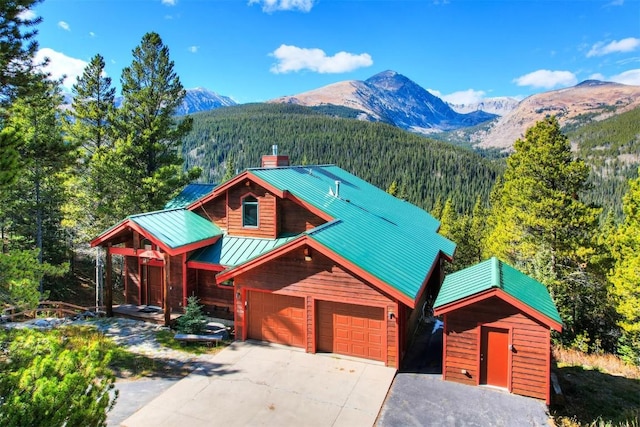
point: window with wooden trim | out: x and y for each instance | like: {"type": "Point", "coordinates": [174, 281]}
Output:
{"type": "Point", "coordinates": [250, 212]}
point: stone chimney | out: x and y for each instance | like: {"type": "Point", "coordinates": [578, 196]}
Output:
{"type": "Point", "coordinates": [274, 160]}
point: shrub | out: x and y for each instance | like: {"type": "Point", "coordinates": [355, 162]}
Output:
{"type": "Point", "coordinates": [55, 378]}
{"type": "Point", "coordinates": [193, 320]}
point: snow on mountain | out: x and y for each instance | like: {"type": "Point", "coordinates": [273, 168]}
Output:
{"type": "Point", "coordinates": [392, 98]}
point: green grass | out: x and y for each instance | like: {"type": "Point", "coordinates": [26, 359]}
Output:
{"type": "Point", "coordinates": [166, 338]}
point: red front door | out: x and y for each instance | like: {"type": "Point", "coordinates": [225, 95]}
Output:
{"type": "Point", "coordinates": [494, 357]}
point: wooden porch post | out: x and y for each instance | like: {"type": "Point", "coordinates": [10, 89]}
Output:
{"type": "Point", "coordinates": [108, 292]}
{"type": "Point", "coordinates": [166, 307]}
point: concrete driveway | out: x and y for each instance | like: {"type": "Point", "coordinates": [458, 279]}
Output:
{"type": "Point", "coordinates": [251, 383]}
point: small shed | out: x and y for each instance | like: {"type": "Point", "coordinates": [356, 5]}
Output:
{"type": "Point", "coordinates": [497, 329]}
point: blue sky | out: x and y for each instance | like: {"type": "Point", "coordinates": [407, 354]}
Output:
{"type": "Point", "coordinates": [256, 50]}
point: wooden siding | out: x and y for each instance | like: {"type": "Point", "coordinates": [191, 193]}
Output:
{"type": "Point", "coordinates": [267, 218]}
{"type": "Point", "coordinates": [132, 277]}
{"type": "Point", "coordinates": [530, 340]}
{"type": "Point", "coordinates": [318, 279]}
{"type": "Point", "coordinates": [213, 297]}
{"type": "Point", "coordinates": [295, 219]}
{"type": "Point", "coordinates": [215, 210]}
{"type": "Point", "coordinates": [175, 283]}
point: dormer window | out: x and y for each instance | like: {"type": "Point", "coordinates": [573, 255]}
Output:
{"type": "Point", "coordinates": [250, 212]}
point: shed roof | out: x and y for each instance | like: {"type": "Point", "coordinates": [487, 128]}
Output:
{"type": "Point", "coordinates": [391, 239]}
{"type": "Point", "coordinates": [189, 194]}
{"type": "Point", "coordinates": [495, 274]}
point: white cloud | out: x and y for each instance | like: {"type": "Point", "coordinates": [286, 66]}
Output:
{"type": "Point", "coordinates": [169, 2]}
{"type": "Point", "coordinates": [616, 3]}
{"type": "Point", "coordinates": [27, 15]}
{"type": "Point", "coordinates": [61, 65]}
{"type": "Point", "coordinates": [276, 5]}
{"type": "Point", "coordinates": [292, 59]}
{"type": "Point", "coordinates": [597, 76]}
{"type": "Point", "coordinates": [547, 79]}
{"type": "Point", "coordinates": [193, 49]}
{"type": "Point", "coordinates": [630, 77]}
{"type": "Point", "coordinates": [469, 96]}
{"type": "Point", "coordinates": [92, 34]}
{"type": "Point", "coordinates": [625, 45]}
{"type": "Point", "coordinates": [64, 26]}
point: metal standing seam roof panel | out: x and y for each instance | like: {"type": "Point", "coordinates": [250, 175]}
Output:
{"type": "Point", "coordinates": [231, 251]}
{"type": "Point", "coordinates": [387, 237]}
{"type": "Point", "coordinates": [189, 194]}
{"type": "Point", "coordinates": [494, 273]}
{"type": "Point", "coordinates": [176, 227]}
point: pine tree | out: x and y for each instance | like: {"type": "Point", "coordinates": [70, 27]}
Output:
{"type": "Point", "coordinates": [92, 108]}
{"type": "Point", "coordinates": [393, 188]}
{"type": "Point", "coordinates": [17, 73]}
{"type": "Point", "coordinates": [17, 49]}
{"type": "Point", "coordinates": [538, 203]}
{"type": "Point", "coordinates": [625, 275]}
{"type": "Point", "coordinates": [147, 155]}
{"type": "Point", "coordinates": [90, 127]}
{"type": "Point", "coordinates": [38, 195]}
{"type": "Point", "coordinates": [540, 225]}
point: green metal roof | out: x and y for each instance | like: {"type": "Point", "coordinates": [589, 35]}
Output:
{"type": "Point", "coordinates": [189, 194]}
{"type": "Point", "coordinates": [494, 273]}
{"type": "Point", "coordinates": [230, 251]}
{"type": "Point", "coordinates": [391, 239]}
{"type": "Point", "coordinates": [176, 227]}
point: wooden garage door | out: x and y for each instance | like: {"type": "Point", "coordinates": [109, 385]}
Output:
{"type": "Point", "coordinates": [276, 318]}
{"type": "Point", "coordinates": [353, 330]}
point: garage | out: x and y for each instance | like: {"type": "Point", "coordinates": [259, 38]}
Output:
{"type": "Point", "coordinates": [276, 318]}
{"type": "Point", "coordinates": [352, 330]}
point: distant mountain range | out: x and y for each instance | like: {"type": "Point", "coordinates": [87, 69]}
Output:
{"type": "Point", "coordinates": [498, 106]}
{"type": "Point", "coordinates": [200, 99]}
{"type": "Point", "coordinates": [493, 123]}
{"type": "Point", "coordinates": [589, 101]}
{"type": "Point", "coordinates": [391, 98]}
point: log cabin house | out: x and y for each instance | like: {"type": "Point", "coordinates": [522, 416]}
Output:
{"type": "Point", "coordinates": [306, 256]}
{"type": "Point", "coordinates": [497, 329]}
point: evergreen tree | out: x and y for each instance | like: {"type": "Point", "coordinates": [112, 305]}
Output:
{"type": "Point", "coordinates": [90, 127]}
{"type": "Point", "coordinates": [540, 225]}
{"type": "Point", "coordinates": [17, 72]}
{"type": "Point", "coordinates": [229, 169]}
{"type": "Point", "coordinates": [92, 108]}
{"type": "Point", "coordinates": [147, 155]}
{"type": "Point", "coordinates": [625, 275]}
{"type": "Point", "coordinates": [393, 188]}
{"type": "Point", "coordinates": [34, 202]}
{"type": "Point", "coordinates": [17, 49]}
{"type": "Point", "coordinates": [538, 204]}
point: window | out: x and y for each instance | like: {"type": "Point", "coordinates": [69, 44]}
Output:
{"type": "Point", "coordinates": [250, 212]}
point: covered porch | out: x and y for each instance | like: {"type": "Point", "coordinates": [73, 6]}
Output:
{"type": "Point", "coordinates": [155, 247]}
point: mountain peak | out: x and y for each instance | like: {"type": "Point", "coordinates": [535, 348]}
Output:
{"type": "Point", "coordinates": [592, 83]}
{"type": "Point", "coordinates": [392, 98]}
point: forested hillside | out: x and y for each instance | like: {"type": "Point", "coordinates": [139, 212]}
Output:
{"type": "Point", "coordinates": [612, 148]}
{"type": "Point", "coordinates": [424, 170]}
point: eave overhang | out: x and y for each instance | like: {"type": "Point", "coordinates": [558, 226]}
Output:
{"type": "Point", "coordinates": [130, 225]}
{"type": "Point", "coordinates": [504, 296]}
